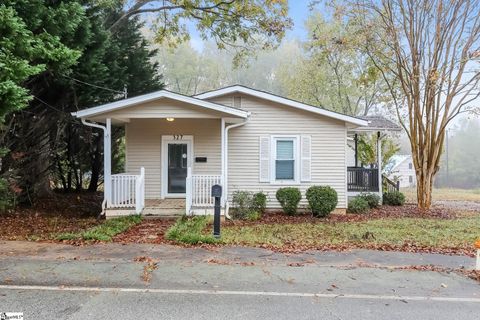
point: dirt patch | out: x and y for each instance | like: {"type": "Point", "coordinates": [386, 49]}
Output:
{"type": "Point", "coordinates": [147, 231]}
{"type": "Point", "coordinates": [49, 216]}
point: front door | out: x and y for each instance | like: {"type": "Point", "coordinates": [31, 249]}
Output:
{"type": "Point", "coordinates": [177, 154]}
{"type": "Point", "coordinates": [177, 167]}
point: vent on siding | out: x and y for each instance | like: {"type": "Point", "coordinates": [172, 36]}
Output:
{"type": "Point", "coordinates": [237, 102]}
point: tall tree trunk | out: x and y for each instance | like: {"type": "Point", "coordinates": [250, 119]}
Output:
{"type": "Point", "coordinates": [96, 165]}
{"type": "Point", "coordinates": [424, 190]}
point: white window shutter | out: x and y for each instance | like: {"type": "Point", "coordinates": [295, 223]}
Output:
{"type": "Point", "coordinates": [306, 159]}
{"type": "Point", "coordinates": [264, 173]}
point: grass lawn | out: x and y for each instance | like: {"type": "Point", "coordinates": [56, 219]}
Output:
{"type": "Point", "coordinates": [190, 231]}
{"type": "Point", "coordinates": [445, 194]}
{"type": "Point", "coordinates": [408, 233]}
{"type": "Point", "coordinates": [104, 231]}
{"type": "Point", "coordinates": [391, 232]}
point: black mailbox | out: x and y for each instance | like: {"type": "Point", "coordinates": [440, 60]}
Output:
{"type": "Point", "coordinates": [216, 190]}
{"type": "Point", "coordinates": [217, 194]}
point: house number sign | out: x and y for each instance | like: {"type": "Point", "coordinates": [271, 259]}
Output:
{"type": "Point", "coordinates": [178, 137]}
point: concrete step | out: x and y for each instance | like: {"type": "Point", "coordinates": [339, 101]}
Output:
{"type": "Point", "coordinates": [164, 212]}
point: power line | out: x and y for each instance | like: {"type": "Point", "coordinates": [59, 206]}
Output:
{"type": "Point", "coordinates": [96, 86]}
{"type": "Point", "coordinates": [48, 105]}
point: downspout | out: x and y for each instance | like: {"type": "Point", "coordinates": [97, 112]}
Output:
{"type": "Point", "coordinates": [225, 178]}
{"type": "Point", "coordinates": [105, 133]}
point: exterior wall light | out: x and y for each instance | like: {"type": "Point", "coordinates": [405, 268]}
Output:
{"type": "Point", "coordinates": [170, 119]}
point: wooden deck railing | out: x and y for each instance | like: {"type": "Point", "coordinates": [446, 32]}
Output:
{"type": "Point", "coordinates": [389, 185]}
{"type": "Point", "coordinates": [362, 179]}
{"type": "Point", "coordinates": [128, 191]}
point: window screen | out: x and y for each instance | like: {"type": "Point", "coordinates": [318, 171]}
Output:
{"type": "Point", "coordinates": [285, 160]}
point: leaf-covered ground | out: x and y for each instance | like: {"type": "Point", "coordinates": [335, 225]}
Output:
{"type": "Point", "coordinates": [387, 228]}
{"type": "Point", "coordinates": [452, 236]}
{"type": "Point", "coordinates": [60, 213]}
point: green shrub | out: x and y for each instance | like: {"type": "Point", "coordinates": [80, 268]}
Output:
{"type": "Point", "coordinates": [358, 205]}
{"type": "Point", "coordinates": [259, 202]}
{"type": "Point", "coordinates": [246, 205]}
{"type": "Point", "coordinates": [394, 198]}
{"type": "Point", "coordinates": [241, 204]}
{"type": "Point", "coordinates": [321, 200]}
{"type": "Point", "coordinates": [372, 199]}
{"type": "Point", "coordinates": [289, 198]}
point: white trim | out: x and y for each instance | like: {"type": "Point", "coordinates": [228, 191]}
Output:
{"type": "Point", "coordinates": [281, 100]}
{"type": "Point", "coordinates": [273, 158]}
{"type": "Point", "coordinates": [154, 96]}
{"type": "Point", "coordinates": [166, 139]}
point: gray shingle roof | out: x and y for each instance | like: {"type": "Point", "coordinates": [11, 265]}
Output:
{"type": "Point", "coordinates": [381, 123]}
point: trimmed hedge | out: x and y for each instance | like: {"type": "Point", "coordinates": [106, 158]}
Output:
{"type": "Point", "coordinates": [394, 198]}
{"type": "Point", "coordinates": [322, 200]}
{"type": "Point", "coordinates": [289, 199]}
{"type": "Point", "coordinates": [358, 205]}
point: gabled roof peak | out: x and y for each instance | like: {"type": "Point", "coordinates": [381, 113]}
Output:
{"type": "Point", "coordinates": [281, 100]}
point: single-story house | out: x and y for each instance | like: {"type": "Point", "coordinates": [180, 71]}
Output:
{"type": "Point", "coordinates": [178, 146]}
{"type": "Point", "coordinates": [400, 169]}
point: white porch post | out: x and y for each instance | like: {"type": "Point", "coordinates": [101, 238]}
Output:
{"type": "Point", "coordinates": [379, 165]}
{"type": "Point", "coordinates": [189, 191]}
{"type": "Point", "coordinates": [107, 161]}
{"type": "Point", "coordinates": [223, 146]}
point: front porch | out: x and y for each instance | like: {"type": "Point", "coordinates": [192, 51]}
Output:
{"type": "Point", "coordinates": [128, 196]}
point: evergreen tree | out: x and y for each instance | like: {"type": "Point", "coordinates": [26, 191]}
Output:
{"type": "Point", "coordinates": [55, 147]}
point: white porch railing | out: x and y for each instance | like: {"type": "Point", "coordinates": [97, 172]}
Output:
{"type": "Point", "coordinates": [128, 191]}
{"type": "Point", "coordinates": [199, 190]}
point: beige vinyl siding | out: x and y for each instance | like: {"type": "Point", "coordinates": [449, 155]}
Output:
{"type": "Point", "coordinates": [143, 147]}
{"type": "Point", "coordinates": [328, 146]}
{"type": "Point", "coordinates": [162, 108]}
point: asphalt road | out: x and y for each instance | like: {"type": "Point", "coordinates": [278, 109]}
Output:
{"type": "Point", "coordinates": [43, 286]}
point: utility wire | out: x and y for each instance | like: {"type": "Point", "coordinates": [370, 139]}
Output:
{"type": "Point", "coordinates": [94, 85]}
{"type": "Point", "coordinates": [48, 105]}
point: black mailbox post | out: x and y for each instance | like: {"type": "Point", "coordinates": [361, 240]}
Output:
{"type": "Point", "coordinates": [217, 194]}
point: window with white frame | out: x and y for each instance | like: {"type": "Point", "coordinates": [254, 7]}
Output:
{"type": "Point", "coordinates": [285, 158]}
